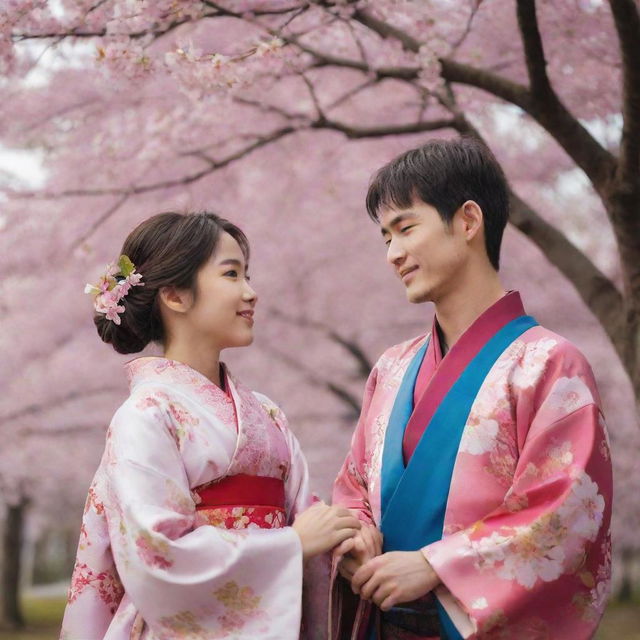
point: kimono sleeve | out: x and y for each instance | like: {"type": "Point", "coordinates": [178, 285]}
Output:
{"type": "Point", "coordinates": [350, 488]}
{"type": "Point", "coordinates": [539, 564]}
{"type": "Point", "coordinates": [181, 578]}
{"type": "Point", "coordinates": [315, 591]}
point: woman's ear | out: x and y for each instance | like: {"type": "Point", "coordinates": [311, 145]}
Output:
{"type": "Point", "coordinates": [472, 219]}
{"type": "Point", "coordinates": [174, 299]}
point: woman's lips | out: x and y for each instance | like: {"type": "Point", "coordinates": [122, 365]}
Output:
{"type": "Point", "coordinates": [247, 315]}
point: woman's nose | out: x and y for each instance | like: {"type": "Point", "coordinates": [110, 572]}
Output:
{"type": "Point", "coordinates": [249, 293]}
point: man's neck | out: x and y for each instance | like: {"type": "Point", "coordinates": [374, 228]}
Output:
{"type": "Point", "coordinates": [459, 309]}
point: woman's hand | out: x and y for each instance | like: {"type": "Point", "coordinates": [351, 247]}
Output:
{"type": "Point", "coordinates": [322, 527]}
{"type": "Point", "coordinates": [354, 552]}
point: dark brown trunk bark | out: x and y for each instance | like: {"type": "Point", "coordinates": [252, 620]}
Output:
{"type": "Point", "coordinates": [11, 547]}
{"type": "Point", "coordinates": [625, 593]}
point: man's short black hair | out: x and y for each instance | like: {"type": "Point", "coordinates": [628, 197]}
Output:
{"type": "Point", "coordinates": [445, 174]}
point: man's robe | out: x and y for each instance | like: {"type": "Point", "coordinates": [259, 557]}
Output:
{"type": "Point", "coordinates": [523, 547]}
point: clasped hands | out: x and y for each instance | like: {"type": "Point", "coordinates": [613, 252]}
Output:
{"type": "Point", "coordinates": [387, 579]}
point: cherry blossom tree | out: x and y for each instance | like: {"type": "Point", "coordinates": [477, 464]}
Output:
{"type": "Point", "coordinates": [275, 113]}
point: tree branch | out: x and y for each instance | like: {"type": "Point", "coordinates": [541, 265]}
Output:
{"type": "Point", "coordinates": [101, 220]}
{"type": "Point", "coordinates": [596, 290]}
{"type": "Point", "coordinates": [347, 398]}
{"type": "Point", "coordinates": [534, 52]}
{"type": "Point", "coordinates": [74, 33]}
{"type": "Point", "coordinates": [350, 345]}
{"type": "Point", "coordinates": [627, 21]}
{"type": "Point", "coordinates": [358, 133]}
{"type": "Point", "coordinates": [67, 430]}
{"type": "Point", "coordinates": [580, 145]}
{"type": "Point", "coordinates": [157, 33]}
{"type": "Point", "coordinates": [194, 177]}
{"type": "Point", "coordinates": [34, 409]}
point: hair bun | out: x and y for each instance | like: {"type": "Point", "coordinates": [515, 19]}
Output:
{"type": "Point", "coordinates": [119, 336]}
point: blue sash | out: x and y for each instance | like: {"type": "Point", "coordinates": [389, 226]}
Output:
{"type": "Point", "coordinates": [414, 499]}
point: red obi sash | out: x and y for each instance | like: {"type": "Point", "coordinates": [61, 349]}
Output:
{"type": "Point", "coordinates": [236, 502]}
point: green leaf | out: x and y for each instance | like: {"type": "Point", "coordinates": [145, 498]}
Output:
{"type": "Point", "coordinates": [126, 266]}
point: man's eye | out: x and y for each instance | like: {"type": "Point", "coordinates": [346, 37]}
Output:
{"type": "Point", "coordinates": [407, 228]}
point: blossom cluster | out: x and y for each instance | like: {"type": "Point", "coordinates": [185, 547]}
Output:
{"type": "Point", "coordinates": [108, 292]}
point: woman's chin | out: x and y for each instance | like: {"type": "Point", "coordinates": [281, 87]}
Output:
{"type": "Point", "coordinates": [243, 341]}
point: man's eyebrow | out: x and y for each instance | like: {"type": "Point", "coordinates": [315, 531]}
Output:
{"type": "Point", "coordinates": [396, 220]}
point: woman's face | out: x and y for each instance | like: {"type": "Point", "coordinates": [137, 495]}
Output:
{"type": "Point", "coordinates": [223, 304]}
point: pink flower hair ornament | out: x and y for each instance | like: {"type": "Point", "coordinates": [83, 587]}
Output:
{"type": "Point", "coordinates": [113, 286]}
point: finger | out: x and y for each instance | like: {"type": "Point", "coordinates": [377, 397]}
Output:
{"type": "Point", "coordinates": [344, 547]}
{"type": "Point", "coordinates": [359, 544]}
{"type": "Point", "coordinates": [341, 511]}
{"type": "Point", "coordinates": [348, 567]}
{"type": "Point", "coordinates": [339, 525]}
{"type": "Point", "coordinates": [369, 538]}
{"type": "Point", "coordinates": [363, 575]}
{"type": "Point", "coordinates": [383, 592]}
{"type": "Point", "coordinates": [370, 587]}
{"type": "Point", "coordinates": [317, 508]}
{"type": "Point", "coordinates": [388, 602]}
{"type": "Point", "coordinates": [340, 535]}
{"type": "Point", "coordinates": [348, 521]}
{"type": "Point", "coordinates": [379, 539]}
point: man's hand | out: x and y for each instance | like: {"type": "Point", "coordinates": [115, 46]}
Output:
{"type": "Point", "coordinates": [354, 552]}
{"type": "Point", "coordinates": [395, 577]}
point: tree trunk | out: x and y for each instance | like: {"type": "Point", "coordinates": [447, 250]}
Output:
{"type": "Point", "coordinates": [625, 593]}
{"type": "Point", "coordinates": [11, 547]}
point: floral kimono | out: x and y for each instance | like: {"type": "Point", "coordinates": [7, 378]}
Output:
{"type": "Point", "coordinates": [493, 461]}
{"type": "Point", "coordinates": [185, 531]}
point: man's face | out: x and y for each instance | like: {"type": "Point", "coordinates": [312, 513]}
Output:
{"type": "Point", "coordinates": [425, 253]}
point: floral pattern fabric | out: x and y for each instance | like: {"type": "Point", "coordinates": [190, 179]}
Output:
{"type": "Point", "coordinates": [150, 566]}
{"type": "Point", "coordinates": [526, 554]}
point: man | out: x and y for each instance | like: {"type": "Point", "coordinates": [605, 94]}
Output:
{"type": "Point", "coordinates": [480, 454]}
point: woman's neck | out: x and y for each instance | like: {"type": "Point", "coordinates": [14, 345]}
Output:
{"type": "Point", "coordinates": [204, 360]}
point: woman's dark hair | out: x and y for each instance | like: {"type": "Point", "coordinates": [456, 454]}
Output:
{"type": "Point", "coordinates": [445, 174]}
{"type": "Point", "coordinates": [167, 249]}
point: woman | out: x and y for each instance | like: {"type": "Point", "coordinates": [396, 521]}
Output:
{"type": "Point", "coordinates": [193, 527]}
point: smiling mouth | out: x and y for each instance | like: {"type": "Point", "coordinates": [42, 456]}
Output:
{"type": "Point", "coordinates": [404, 275]}
{"type": "Point", "coordinates": [247, 315]}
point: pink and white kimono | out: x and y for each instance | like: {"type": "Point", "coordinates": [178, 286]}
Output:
{"type": "Point", "coordinates": [185, 531]}
{"type": "Point", "coordinates": [521, 476]}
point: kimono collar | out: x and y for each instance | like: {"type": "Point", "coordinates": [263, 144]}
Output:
{"type": "Point", "coordinates": [498, 314]}
{"type": "Point", "coordinates": [176, 374]}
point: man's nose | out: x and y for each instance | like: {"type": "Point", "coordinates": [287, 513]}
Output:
{"type": "Point", "coordinates": [395, 253]}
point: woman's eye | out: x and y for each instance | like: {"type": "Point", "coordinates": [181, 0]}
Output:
{"type": "Point", "coordinates": [232, 274]}
{"type": "Point", "coordinates": [247, 277]}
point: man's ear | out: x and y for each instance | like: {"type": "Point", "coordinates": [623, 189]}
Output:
{"type": "Point", "coordinates": [174, 299]}
{"type": "Point", "coordinates": [471, 219]}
